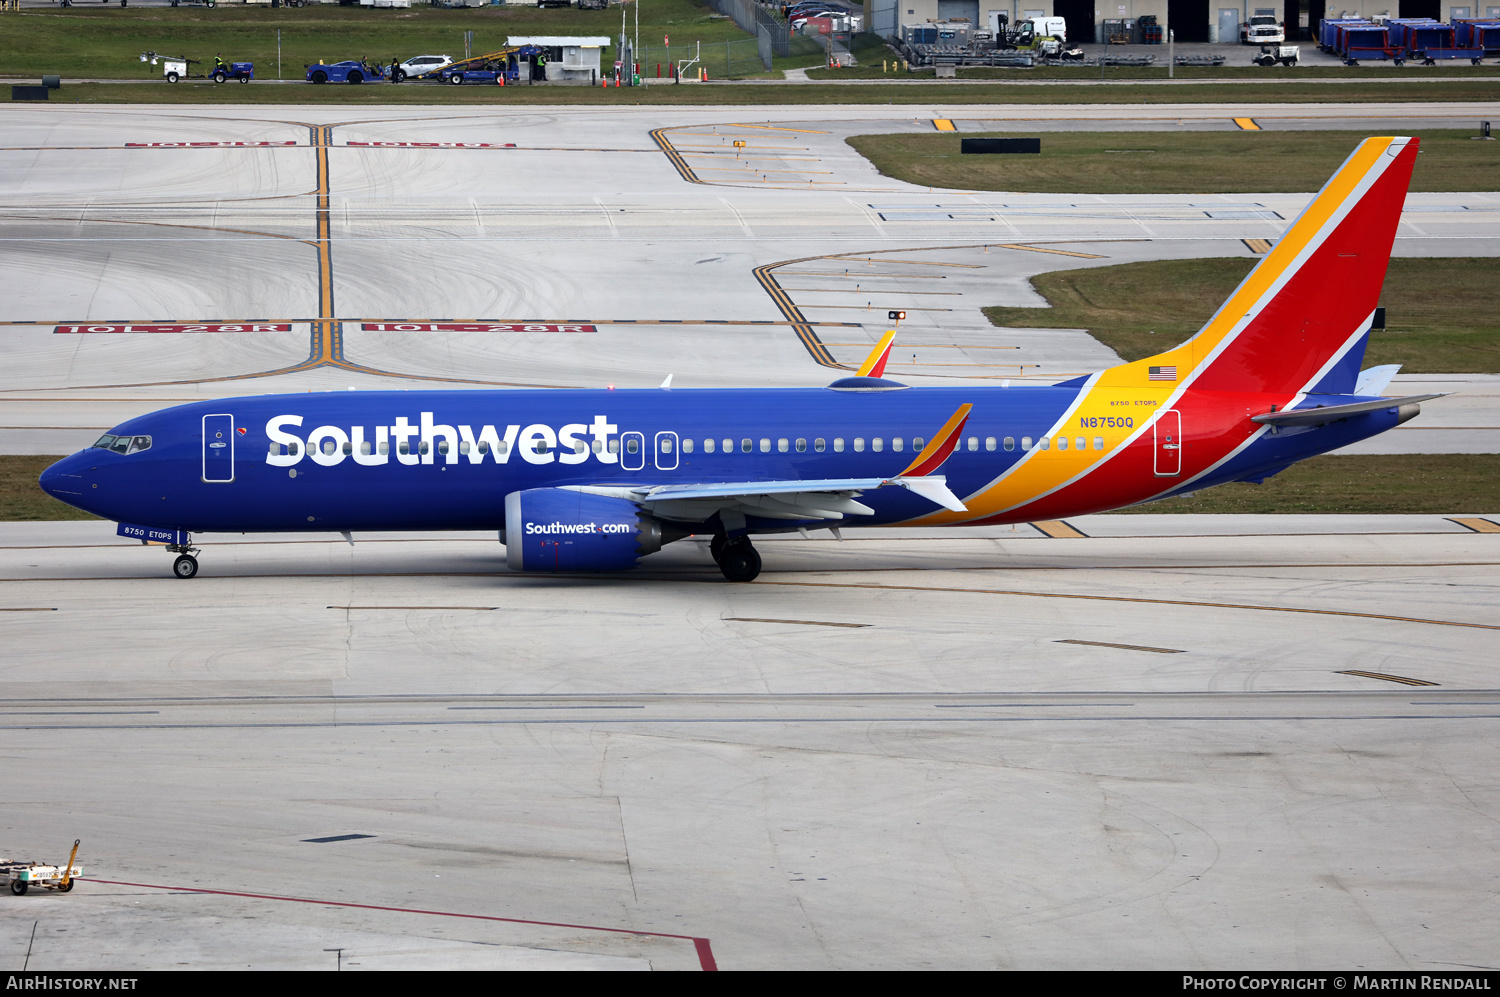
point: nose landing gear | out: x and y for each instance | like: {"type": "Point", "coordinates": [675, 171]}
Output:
{"type": "Point", "coordinates": [186, 565]}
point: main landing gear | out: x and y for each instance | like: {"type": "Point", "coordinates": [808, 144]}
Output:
{"type": "Point", "coordinates": [737, 559]}
{"type": "Point", "coordinates": [186, 565]}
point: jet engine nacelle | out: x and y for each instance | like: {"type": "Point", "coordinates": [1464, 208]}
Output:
{"type": "Point", "coordinates": [557, 529]}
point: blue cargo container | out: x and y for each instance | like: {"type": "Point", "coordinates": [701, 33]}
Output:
{"type": "Point", "coordinates": [1480, 34]}
{"type": "Point", "coordinates": [1363, 41]}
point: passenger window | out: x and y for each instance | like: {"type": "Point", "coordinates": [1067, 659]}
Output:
{"type": "Point", "coordinates": [1080, 444]}
{"type": "Point", "coordinates": [632, 445]}
{"type": "Point", "coordinates": [484, 447]}
{"type": "Point", "coordinates": [580, 448]}
{"type": "Point", "coordinates": [918, 443]}
{"type": "Point", "coordinates": [1062, 443]}
{"type": "Point", "coordinates": [275, 449]}
{"type": "Point", "coordinates": [859, 444]}
{"type": "Point", "coordinates": [294, 449]}
{"type": "Point", "coordinates": [989, 443]}
{"type": "Point", "coordinates": [729, 446]}
{"type": "Point", "coordinates": [666, 446]}
{"type": "Point", "coordinates": [838, 444]}
{"type": "Point", "coordinates": [1010, 443]}
{"type": "Point", "coordinates": [974, 443]}
{"type": "Point", "coordinates": [687, 446]}
{"type": "Point", "coordinates": [765, 445]}
{"type": "Point", "coordinates": [746, 445]}
{"type": "Point", "coordinates": [898, 444]}
{"type": "Point", "coordinates": [801, 445]}
{"type": "Point", "coordinates": [781, 445]}
{"type": "Point", "coordinates": [348, 448]}
{"type": "Point", "coordinates": [442, 447]}
{"type": "Point", "coordinates": [614, 446]}
{"type": "Point", "coordinates": [877, 444]}
{"type": "Point", "coordinates": [598, 446]}
{"type": "Point", "coordinates": [423, 448]}
{"type": "Point", "coordinates": [820, 444]}
{"type": "Point", "coordinates": [1026, 443]}
{"type": "Point", "coordinates": [1098, 443]}
{"type": "Point", "coordinates": [1045, 442]}
{"type": "Point", "coordinates": [708, 446]}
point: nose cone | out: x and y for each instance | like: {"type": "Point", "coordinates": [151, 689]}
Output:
{"type": "Point", "coordinates": [64, 480]}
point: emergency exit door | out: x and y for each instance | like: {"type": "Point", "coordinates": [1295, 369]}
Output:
{"type": "Point", "coordinates": [218, 448]}
{"type": "Point", "coordinates": [1168, 428]}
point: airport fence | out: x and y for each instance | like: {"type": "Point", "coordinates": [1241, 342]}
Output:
{"type": "Point", "coordinates": [769, 30]}
{"type": "Point", "coordinates": [739, 57]}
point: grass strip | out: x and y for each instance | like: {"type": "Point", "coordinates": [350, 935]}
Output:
{"type": "Point", "coordinates": [1400, 484]}
{"type": "Point", "coordinates": [1439, 312]}
{"type": "Point", "coordinates": [1161, 162]}
{"type": "Point", "coordinates": [106, 42]}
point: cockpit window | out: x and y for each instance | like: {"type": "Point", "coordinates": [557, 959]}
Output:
{"type": "Point", "coordinates": [124, 444]}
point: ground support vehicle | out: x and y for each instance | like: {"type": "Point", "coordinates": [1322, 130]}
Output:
{"type": "Point", "coordinates": [174, 69]}
{"type": "Point", "coordinates": [494, 68]}
{"type": "Point", "coordinates": [349, 71]}
{"type": "Point", "coordinates": [242, 71]}
{"type": "Point", "coordinates": [1270, 55]}
{"type": "Point", "coordinates": [25, 875]}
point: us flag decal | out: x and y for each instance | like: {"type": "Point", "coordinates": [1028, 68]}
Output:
{"type": "Point", "coordinates": [1161, 373]}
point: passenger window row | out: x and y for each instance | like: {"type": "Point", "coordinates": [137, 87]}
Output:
{"type": "Point", "coordinates": [127, 444]}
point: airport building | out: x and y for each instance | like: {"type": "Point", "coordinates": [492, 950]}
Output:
{"type": "Point", "coordinates": [1098, 21]}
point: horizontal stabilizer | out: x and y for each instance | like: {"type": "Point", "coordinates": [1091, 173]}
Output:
{"type": "Point", "coordinates": [1331, 413]}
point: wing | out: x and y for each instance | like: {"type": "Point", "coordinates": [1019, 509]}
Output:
{"type": "Point", "coordinates": [830, 498]}
{"type": "Point", "coordinates": [823, 499]}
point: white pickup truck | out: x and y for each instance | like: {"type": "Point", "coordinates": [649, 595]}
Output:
{"type": "Point", "coordinates": [1262, 29]}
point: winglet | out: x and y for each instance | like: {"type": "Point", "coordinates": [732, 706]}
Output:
{"type": "Point", "coordinates": [874, 365]}
{"type": "Point", "coordinates": [940, 446]}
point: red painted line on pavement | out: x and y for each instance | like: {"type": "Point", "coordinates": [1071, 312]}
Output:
{"type": "Point", "coordinates": [700, 945]}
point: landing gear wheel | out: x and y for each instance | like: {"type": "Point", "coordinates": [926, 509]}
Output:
{"type": "Point", "coordinates": [18, 887]}
{"type": "Point", "coordinates": [716, 547]}
{"type": "Point", "coordinates": [186, 566]}
{"type": "Point", "coordinates": [741, 562]}
{"type": "Point", "coordinates": [65, 887]}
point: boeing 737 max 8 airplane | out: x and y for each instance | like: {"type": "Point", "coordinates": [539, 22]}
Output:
{"type": "Point", "coordinates": [592, 481]}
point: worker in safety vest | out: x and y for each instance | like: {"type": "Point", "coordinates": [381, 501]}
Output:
{"type": "Point", "coordinates": [541, 66]}
{"type": "Point", "coordinates": [219, 64]}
